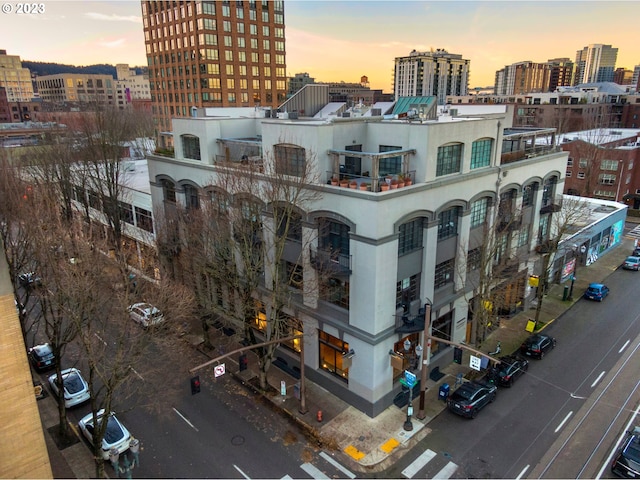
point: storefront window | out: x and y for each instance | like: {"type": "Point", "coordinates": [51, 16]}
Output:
{"type": "Point", "coordinates": [332, 350]}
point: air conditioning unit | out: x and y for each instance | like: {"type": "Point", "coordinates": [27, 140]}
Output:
{"type": "Point", "coordinates": [376, 112]}
{"type": "Point", "coordinates": [346, 114]}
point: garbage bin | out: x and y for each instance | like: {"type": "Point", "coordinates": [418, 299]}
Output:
{"type": "Point", "coordinates": [565, 293]}
{"type": "Point", "coordinates": [443, 393]}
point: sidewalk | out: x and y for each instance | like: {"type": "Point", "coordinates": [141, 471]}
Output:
{"type": "Point", "coordinates": [360, 443]}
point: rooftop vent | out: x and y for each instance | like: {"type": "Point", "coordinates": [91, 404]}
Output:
{"type": "Point", "coordinates": [376, 112]}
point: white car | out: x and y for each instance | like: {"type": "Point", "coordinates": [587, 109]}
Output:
{"type": "Point", "coordinates": [76, 390]}
{"type": "Point", "coordinates": [115, 436]}
{"type": "Point", "coordinates": [145, 314]}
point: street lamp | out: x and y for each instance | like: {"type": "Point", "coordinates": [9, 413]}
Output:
{"type": "Point", "coordinates": [425, 362]}
{"type": "Point", "coordinates": [408, 426]}
{"type": "Point", "coordinates": [582, 249]}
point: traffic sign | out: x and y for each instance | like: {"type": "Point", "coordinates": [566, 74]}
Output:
{"type": "Point", "coordinates": [218, 370]}
{"type": "Point", "coordinates": [474, 362]}
{"type": "Point", "coordinates": [410, 378]}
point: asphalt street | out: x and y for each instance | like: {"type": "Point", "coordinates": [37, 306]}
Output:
{"type": "Point", "coordinates": [527, 422]}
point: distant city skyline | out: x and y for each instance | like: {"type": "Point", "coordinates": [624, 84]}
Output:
{"type": "Point", "coordinates": [342, 41]}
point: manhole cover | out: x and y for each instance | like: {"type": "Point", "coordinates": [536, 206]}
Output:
{"type": "Point", "coordinates": [237, 440]}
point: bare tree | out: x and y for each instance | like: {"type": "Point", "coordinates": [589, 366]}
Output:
{"type": "Point", "coordinates": [242, 251]}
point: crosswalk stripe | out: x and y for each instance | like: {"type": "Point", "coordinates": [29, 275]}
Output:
{"type": "Point", "coordinates": [313, 472]}
{"type": "Point", "coordinates": [418, 463]}
{"type": "Point", "coordinates": [287, 477]}
{"type": "Point", "coordinates": [448, 470]}
{"type": "Point", "coordinates": [333, 462]}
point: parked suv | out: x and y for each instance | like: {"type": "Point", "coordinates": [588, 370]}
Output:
{"type": "Point", "coordinates": [537, 345]}
{"type": "Point", "coordinates": [470, 397]}
{"type": "Point", "coordinates": [627, 461]}
{"type": "Point", "coordinates": [510, 368]}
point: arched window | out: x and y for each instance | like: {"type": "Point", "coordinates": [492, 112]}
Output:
{"type": "Point", "coordinates": [169, 191]}
{"type": "Point", "coordinates": [290, 160]}
{"type": "Point", "coordinates": [449, 159]}
{"type": "Point", "coordinates": [192, 197]}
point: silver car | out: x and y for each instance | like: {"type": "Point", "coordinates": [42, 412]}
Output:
{"type": "Point", "coordinates": [75, 389]}
{"type": "Point", "coordinates": [145, 314]}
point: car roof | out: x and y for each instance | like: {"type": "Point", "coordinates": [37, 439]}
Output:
{"type": "Point", "coordinates": [635, 258]}
{"type": "Point", "coordinates": [596, 285]}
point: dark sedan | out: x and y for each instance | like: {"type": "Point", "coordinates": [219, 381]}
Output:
{"type": "Point", "coordinates": [42, 357]}
{"type": "Point", "coordinates": [537, 345]}
{"type": "Point", "coordinates": [510, 368]}
{"type": "Point", "coordinates": [470, 398]}
{"type": "Point", "coordinates": [626, 464]}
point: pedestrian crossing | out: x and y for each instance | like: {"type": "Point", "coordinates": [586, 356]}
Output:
{"type": "Point", "coordinates": [327, 467]}
{"type": "Point", "coordinates": [430, 464]}
{"type": "Point", "coordinates": [635, 233]}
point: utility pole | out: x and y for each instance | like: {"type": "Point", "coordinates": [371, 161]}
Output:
{"type": "Point", "coordinates": [425, 360]}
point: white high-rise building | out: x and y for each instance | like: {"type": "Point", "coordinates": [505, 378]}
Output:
{"type": "Point", "coordinates": [436, 73]}
{"type": "Point", "coordinates": [595, 63]}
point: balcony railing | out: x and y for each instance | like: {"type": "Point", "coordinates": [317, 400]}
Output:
{"type": "Point", "coordinates": [517, 155]}
{"type": "Point", "coordinates": [329, 262]}
{"type": "Point", "coordinates": [366, 183]}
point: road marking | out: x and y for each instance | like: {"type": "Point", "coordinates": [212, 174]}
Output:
{"type": "Point", "coordinates": [134, 371]}
{"type": "Point", "coordinates": [624, 346]}
{"type": "Point", "coordinates": [389, 445]}
{"type": "Point", "coordinates": [448, 470]}
{"type": "Point", "coordinates": [521, 474]}
{"type": "Point", "coordinates": [563, 422]}
{"type": "Point", "coordinates": [188, 422]}
{"type": "Point", "coordinates": [100, 338]}
{"type": "Point", "coordinates": [287, 477]}
{"type": "Point", "coordinates": [354, 452]}
{"type": "Point", "coordinates": [313, 471]}
{"type": "Point", "coordinates": [595, 382]}
{"type": "Point", "coordinates": [333, 462]}
{"type": "Point", "coordinates": [235, 466]}
{"type": "Point", "coordinates": [418, 463]}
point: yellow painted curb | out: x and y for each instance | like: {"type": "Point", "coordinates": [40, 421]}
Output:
{"type": "Point", "coordinates": [354, 452]}
{"type": "Point", "coordinates": [389, 445]}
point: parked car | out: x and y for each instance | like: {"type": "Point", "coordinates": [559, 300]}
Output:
{"type": "Point", "coordinates": [145, 314]}
{"type": "Point", "coordinates": [470, 398]}
{"type": "Point", "coordinates": [636, 252]}
{"type": "Point", "coordinates": [29, 279]}
{"type": "Point", "coordinates": [596, 291]}
{"type": "Point", "coordinates": [510, 368]}
{"type": "Point", "coordinates": [631, 263]}
{"type": "Point", "coordinates": [76, 390]}
{"type": "Point", "coordinates": [115, 436]}
{"type": "Point", "coordinates": [42, 357]}
{"type": "Point", "coordinates": [626, 463]}
{"type": "Point", "coordinates": [537, 345]}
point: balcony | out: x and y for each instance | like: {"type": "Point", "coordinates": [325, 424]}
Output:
{"type": "Point", "coordinates": [329, 262]}
{"type": "Point", "coordinates": [366, 183]}
{"type": "Point", "coordinates": [509, 223]}
{"type": "Point", "coordinates": [407, 323]}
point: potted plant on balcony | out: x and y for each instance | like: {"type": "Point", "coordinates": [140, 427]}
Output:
{"type": "Point", "coordinates": [334, 181]}
{"type": "Point", "coordinates": [344, 183]}
{"type": "Point", "coordinates": [407, 180]}
{"type": "Point", "coordinates": [353, 184]}
{"type": "Point", "coordinates": [364, 186]}
{"type": "Point", "coordinates": [400, 181]}
{"type": "Point", "coordinates": [394, 184]}
{"type": "Point", "coordinates": [384, 186]}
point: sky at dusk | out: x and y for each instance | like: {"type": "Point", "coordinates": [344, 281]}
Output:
{"type": "Point", "coordinates": [344, 40]}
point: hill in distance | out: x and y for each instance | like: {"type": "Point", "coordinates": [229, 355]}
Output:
{"type": "Point", "coordinates": [45, 68]}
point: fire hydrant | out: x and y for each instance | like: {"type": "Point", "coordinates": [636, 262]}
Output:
{"type": "Point", "coordinates": [319, 416]}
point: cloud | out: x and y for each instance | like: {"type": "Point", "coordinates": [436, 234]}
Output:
{"type": "Point", "coordinates": [113, 44]}
{"type": "Point", "coordinates": [113, 18]}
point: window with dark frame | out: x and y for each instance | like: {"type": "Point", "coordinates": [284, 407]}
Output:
{"type": "Point", "coordinates": [444, 273]}
{"type": "Point", "coordinates": [448, 223]}
{"type": "Point", "coordinates": [290, 160]}
{"type": "Point", "coordinates": [410, 237]}
{"type": "Point", "coordinates": [331, 351]}
{"type": "Point", "coordinates": [191, 147]}
{"type": "Point", "coordinates": [449, 159]}
{"type": "Point", "coordinates": [479, 212]}
{"type": "Point", "coordinates": [407, 290]}
{"type": "Point", "coordinates": [481, 153]}
{"type": "Point", "coordinates": [126, 212]}
{"type": "Point", "coordinates": [144, 219]}
{"type": "Point", "coordinates": [474, 259]}
{"type": "Point", "coordinates": [192, 197]}
{"type": "Point", "coordinates": [390, 165]}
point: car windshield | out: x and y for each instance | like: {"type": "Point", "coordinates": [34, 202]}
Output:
{"type": "Point", "coordinates": [533, 341]}
{"type": "Point", "coordinates": [594, 289]}
{"type": "Point", "coordinates": [73, 384]}
{"type": "Point", "coordinates": [114, 433]}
